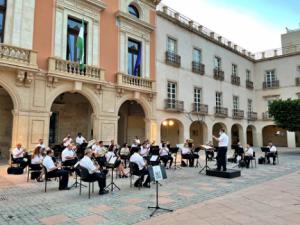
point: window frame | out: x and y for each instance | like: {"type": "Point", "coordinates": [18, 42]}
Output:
{"type": "Point", "coordinates": [248, 75]}
{"type": "Point", "coordinates": [3, 9]}
{"type": "Point", "coordinates": [219, 99]}
{"type": "Point", "coordinates": [169, 38]}
{"type": "Point", "coordinates": [234, 69]}
{"type": "Point", "coordinates": [250, 105]}
{"type": "Point", "coordinates": [136, 13]}
{"type": "Point", "coordinates": [139, 43]}
{"type": "Point", "coordinates": [270, 77]}
{"type": "Point", "coordinates": [236, 102]}
{"type": "Point", "coordinates": [218, 60]}
{"type": "Point", "coordinates": [200, 55]}
{"type": "Point", "coordinates": [172, 94]}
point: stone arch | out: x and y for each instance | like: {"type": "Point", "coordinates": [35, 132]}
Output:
{"type": "Point", "coordinates": [199, 132]}
{"type": "Point", "coordinates": [172, 130]}
{"type": "Point", "coordinates": [251, 135]}
{"type": "Point", "coordinates": [138, 7]}
{"type": "Point", "coordinates": [274, 134]}
{"type": "Point", "coordinates": [237, 134]}
{"type": "Point", "coordinates": [14, 97]}
{"type": "Point", "coordinates": [215, 130]}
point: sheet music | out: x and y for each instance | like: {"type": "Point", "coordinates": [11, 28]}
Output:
{"type": "Point", "coordinates": [180, 146]}
{"type": "Point", "coordinates": [157, 173]}
{"type": "Point", "coordinates": [112, 160]}
{"type": "Point", "coordinates": [207, 147]}
{"type": "Point", "coordinates": [154, 158]}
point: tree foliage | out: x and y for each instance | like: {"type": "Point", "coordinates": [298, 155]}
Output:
{"type": "Point", "coordinates": [286, 113]}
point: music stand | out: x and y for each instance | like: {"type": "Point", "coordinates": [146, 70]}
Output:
{"type": "Point", "coordinates": [74, 185]}
{"type": "Point", "coordinates": [205, 167]}
{"type": "Point", "coordinates": [112, 164]}
{"type": "Point", "coordinates": [157, 173]}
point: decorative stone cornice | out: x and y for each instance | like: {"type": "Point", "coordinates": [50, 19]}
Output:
{"type": "Point", "coordinates": [125, 17]}
{"type": "Point", "coordinates": [92, 4]}
{"type": "Point", "coordinates": [24, 78]}
{"type": "Point", "coordinates": [152, 3]}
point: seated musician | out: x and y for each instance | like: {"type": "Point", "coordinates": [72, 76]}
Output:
{"type": "Point", "coordinates": [210, 153]}
{"type": "Point", "coordinates": [118, 164]}
{"type": "Point", "coordinates": [68, 156]}
{"type": "Point", "coordinates": [165, 155]}
{"type": "Point", "coordinates": [248, 155]}
{"type": "Point", "coordinates": [187, 153]}
{"type": "Point", "coordinates": [125, 151]}
{"type": "Point", "coordinates": [56, 171]}
{"type": "Point", "coordinates": [145, 149]}
{"type": "Point", "coordinates": [94, 172]}
{"type": "Point", "coordinates": [36, 163]}
{"type": "Point", "coordinates": [99, 151]}
{"type": "Point", "coordinates": [139, 160]}
{"type": "Point", "coordinates": [41, 145]}
{"type": "Point", "coordinates": [80, 139]}
{"type": "Point", "coordinates": [67, 140]}
{"type": "Point", "coordinates": [19, 155]}
{"type": "Point", "coordinates": [80, 143]}
{"type": "Point", "coordinates": [272, 153]}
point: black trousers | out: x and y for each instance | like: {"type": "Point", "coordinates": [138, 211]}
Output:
{"type": "Point", "coordinates": [247, 160]}
{"type": "Point", "coordinates": [100, 177]}
{"type": "Point", "coordinates": [167, 158]}
{"type": "Point", "coordinates": [191, 158]}
{"type": "Point", "coordinates": [271, 154]}
{"type": "Point", "coordinates": [221, 158]}
{"type": "Point", "coordinates": [63, 177]}
{"type": "Point", "coordinates": [22, 161]}
{"type": "Point", "coordinates": [143, 173]}
{"type": "Point", "coordinates": [101, 161]}
{"type": "Point", "coordinates": [70, 162]}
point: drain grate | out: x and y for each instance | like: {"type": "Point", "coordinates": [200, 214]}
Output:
{"type": "Point", "coordinates": [3, 198]}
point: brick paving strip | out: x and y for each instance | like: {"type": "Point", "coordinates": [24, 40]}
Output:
{"type": "Point", "coordinates": [26, 203]}
{"type": "Point", "coordinates": [275, 202]}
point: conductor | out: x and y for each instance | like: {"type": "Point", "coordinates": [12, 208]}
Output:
{"type": "Point", "coordinates": [222, 149]}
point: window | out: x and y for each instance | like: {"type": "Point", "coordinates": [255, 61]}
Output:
{"type": "Point", "coordinates": [2, 19]}
{"type": "Point", "coordinates": [235, 102]}
{"type": "Point", "coordinates": [197, 98]}
{"type": "Point", "coordinates": [172, 45]}
{"type": "Point", "coordinates": [172, 94]}
{"type": "Point", "coordinates": [234, 70]}
{"type": "Point", "coordinates": [134, 57]}
{"type": "Point", "coordinates": [250, 105]}
{"type": "Point", "coordinates": [218, 99]}
{"type": "Point", "coordinates": [197, 55]}
{"type": "Point", "coordinates": [270, 78]}
{"type": "Point", "coordinates": [73, 53]}
{"type": "Point", "coordinates": [248, 75]}
{"type": "Point", "coordinates": [298, 71]}
{"type": "Point", "coordinates": [218, 63]}
{"type": "Point", "coordinates": [133, 11]}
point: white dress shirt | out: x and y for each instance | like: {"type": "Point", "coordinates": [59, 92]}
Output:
{"type": "Point", "coordinates": [80, 140]}
{"type": "Point", "coordinates": [138, 159]}
{"type": "Point", "coordinates": [273, 149]}
{"type": "Point", "coordinates": [185, 150]}
{"type": "Point", "coordinates": [48, 163]}
{"type": "Point", "coordinates": [17, 151]}
{"type": "Point", "coordinates": [109, 155]}
{"type": "Point", "coordinates": [67, 153]}
{"type": "Point", "coordinates": [67, 141]}
{"type": "Point", "coordinates": [144, 151]}
{"type": "Point", "coordinates": [223, 140]}
{"type": "Point", "coordinates": [124, 151]}
{"type": "Point", "coordinates": [87, 163]}
{"type": "Point", "coordinates": [42, 146]}
{"type": "Point", "coordinates": [37, 159]}
{"type": "Point", "coordinates": [164, 151]}
{"type": "Point", "coordinates": [249, 152]}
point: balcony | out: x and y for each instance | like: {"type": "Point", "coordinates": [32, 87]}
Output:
{"type": "Point", "coordinates": [235, 80]}
{"type": "Point", "coordinates": [249, 84]}
{"type": "Point", "coordinates": [218, 74]}
{"type": "Point", "coordinates": [17, 57]}
{"type": "Point", "coordinates": [237, 114]}
{"type": "Point", "coordinates": [266, 116]}
{"type": "Point", "coordinates": [174, 105]}
{"type": "Point", "coordinates": [298, 81]}
{"type": "Point", "coordinates": [200, 108]}
{"type": "Point", "coordinates": [135, 83]}
{"type": "Point", "coordinates": [221, 112]}
{"type": "Point", "coordinates": [271, 85]}
{"type": "Point", "coordinates": [198, 68]}
{"type": "Point", "coordinates": [71, 71]}
{"type": "Point", "coordinates": [173, 59]}
{"type": "Point", "coordinates": [252, 116]}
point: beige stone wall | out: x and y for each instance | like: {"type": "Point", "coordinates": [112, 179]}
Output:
{"type": "Point", "coordinates": [276, 135]}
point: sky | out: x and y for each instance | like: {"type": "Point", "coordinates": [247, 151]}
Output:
{"type": "Point", "coordinates": [255, 25]}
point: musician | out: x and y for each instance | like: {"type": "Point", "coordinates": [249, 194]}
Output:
{"type": "Point", "coordinates": [222, 149]}
{"type": "Point", "coordinates": [145, 149]}
{"type": "Point", "coordinates": [67, 140]}
{"type": "Point", "coordinates": [165, 155]}
{"type": "Point", "coordinates": [56, 171]}
{"type": "Point", "coordinates": [41, 145]}
{"type": "Point", "coordinates": [118, 164]}
{"type": "Point", "coordinates": [187, 153]}
{"type": "Point", "coordinates": [80, 139]}
{"type": "Point", "coordinates": [272, 153]}
{"type": "Point", "coordinates": [68, 156]}
{"type": "Point", "coordinates": [19, 155]}
{"type": "Point", "coordinates": [99, 152]}
{"type": "Point", "coordinates": [112, 143]}
{"type": "Point", "coordinates": [36, 163]}
{"type": "Point", "coordinates": [125, 151]}
{"type": "Point", "coordinates": [210, 153]}
{"type": "Point", "coordinates": [94, 172]}
{"type": "Point", "coordinates": [248, 155]}
{"type": "Point", "coordinates": [137, 140]}
{"type": "Point", "coordinates": [138, 159]}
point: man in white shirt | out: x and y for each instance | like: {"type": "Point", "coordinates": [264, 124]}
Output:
{"type": "Point", "coordinates": [272, 153]}
{"type": "Point", "coordinates": [41, 145]}
{"type": "Point", "coordinates": [67, 140]}
{"type": "Point", "coordinates": [144, 150]}
{"type": "Point", "coordinates": [139, 160]}
{"type": "Point", "coordinates": [222, 149]}
{"type": "Point", "coordinates": [19, 156]}
{"type": "Point", "coordinates": [94, 172]}
{"type": "Point", "coordinates": [54, 171]}
{"type": "Point", "coordinates": [80, 139]}
{"type": "Point", "coordinates": [99, 152]}
{"type": "Point", "coordinates": [165, 156]}
{"type": "Point", "coordinates": [248, 155]}
{"type": "Point", "coordinates": [68, 156]}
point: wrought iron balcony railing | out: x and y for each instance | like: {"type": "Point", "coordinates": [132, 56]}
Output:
{"type": "Point", "coordinates": [235, 80]}
{"type": "Point", "coordinates": [200, 108]}
{"type": "Point", "coordinates": [173, 59]}
{"type": "Point", "coordinates": [237, 114]}
{"type": "Point", "coordinates": [266, 116]}
{"type": "Point", "coordinates": [249, 84]}
{"type": "Point", "coordinates": [252, 116]}
{"type": "Point", "coordinates": [218, 74]}
{"type": "Point", "coordinates": [174, 105]}
{"type": "Point", "coordinates": [298, 81]}
{"type": "Point", "coordinates": [221, 112]}
{"type": "Point", "coordinates": [198, 68]}
{"type": "Point", "coordinates": [271, 84]}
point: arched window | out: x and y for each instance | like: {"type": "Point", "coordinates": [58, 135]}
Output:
{"type": "Point", "coordinates": [133, 11]}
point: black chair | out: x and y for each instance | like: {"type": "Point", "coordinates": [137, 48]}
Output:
{"type": "Point", "coordinates": [30, 171]}
{"type": "Point", "coordinates": [134, 171]}
{"type": "Point", "coordinates": [174, 151]}
{"type": "Point", "coordinates": [125, 158]}
{"type": "Point", "coordinates": [84, 174]}
{"type": "Point", "coordinates": [196, 151]}
{"type": "Point", "coordinates": [253, 159]}
{"type": "Point", "coordinates": [46, 177]}
{"type": "Point", "coordinates": [13, 161]}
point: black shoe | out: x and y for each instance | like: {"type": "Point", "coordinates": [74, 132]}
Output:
{"type": "Point", "coordinates": [124, 176]}
{"type": "Point", "coordinates": [64, 189]}
{"type": "Point", "coordinates": [120, 176]}
{"type": "Point", "coordinates": [103, 192]}
{"type": "Point", "coordinates": [146, 185]}
{"type": "Point", "coordinates": [39, 180]}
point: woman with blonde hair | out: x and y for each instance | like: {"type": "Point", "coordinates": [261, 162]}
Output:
{"type": "Point", "coordinates": [36, 164]}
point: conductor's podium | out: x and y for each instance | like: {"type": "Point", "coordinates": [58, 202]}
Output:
{"type": "Point", "coordinates": [229, 173]}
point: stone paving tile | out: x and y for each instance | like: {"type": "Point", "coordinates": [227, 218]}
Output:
{"type": "Point", "coordinates": [90, 220]}
{"type": "Point", "coordinates": [56, 219]}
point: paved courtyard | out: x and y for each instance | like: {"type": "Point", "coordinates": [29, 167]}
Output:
{"type": "Point", "coordinates": [196, 199]}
